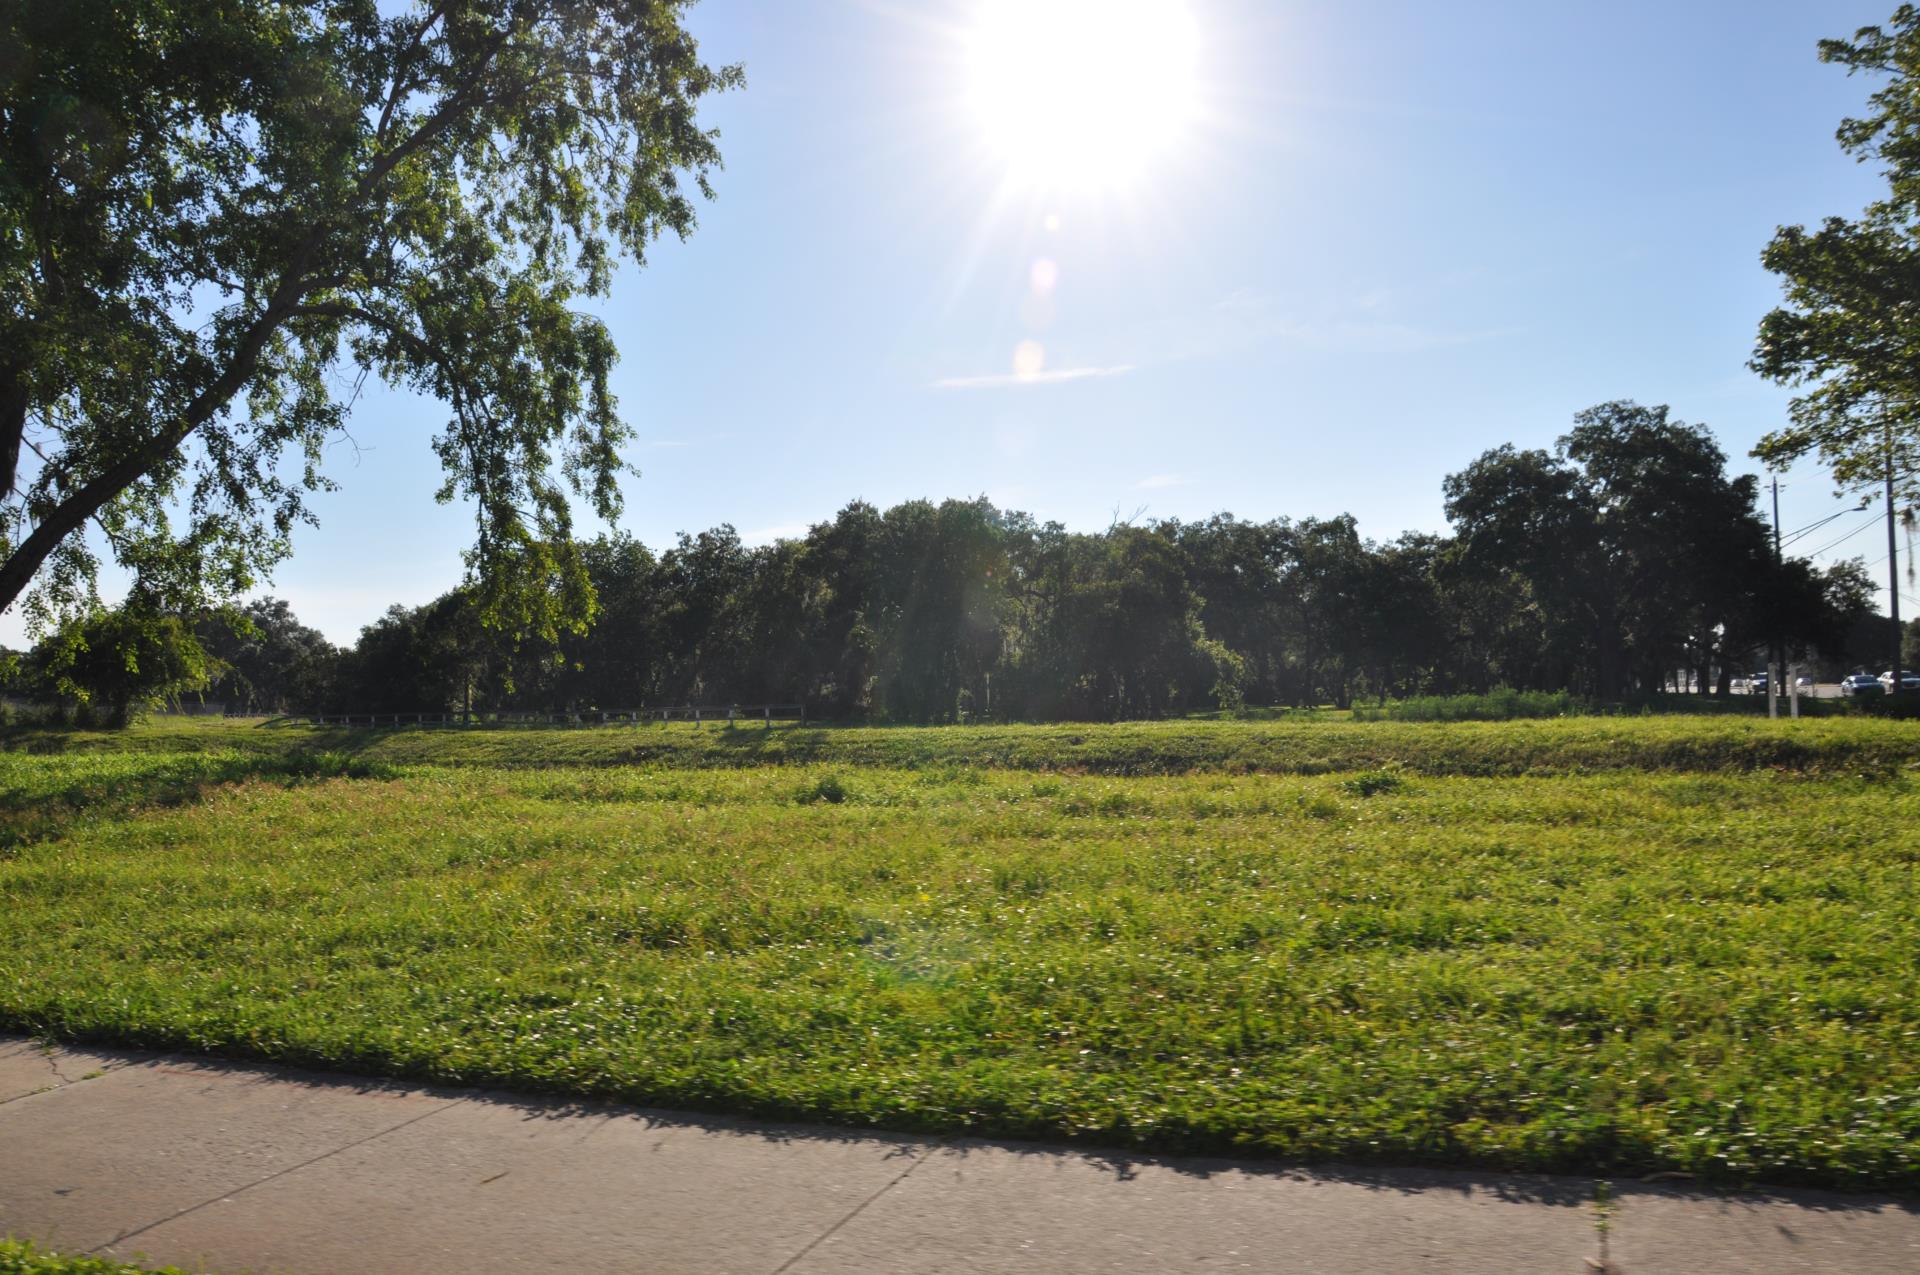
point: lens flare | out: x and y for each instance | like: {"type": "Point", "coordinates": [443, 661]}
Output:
{"type": "Point", "coordinates": [1083, 92]}
{"type": "Point", "coordinates": [1029, 360]}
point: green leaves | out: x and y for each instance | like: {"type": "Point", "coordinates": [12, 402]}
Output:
{"type": "Point", "coordinates": [127, 660]}
{"type": "Point", "coordinates": [1849, 333]}
{"type": "Point", "coordinates": [205, 208]}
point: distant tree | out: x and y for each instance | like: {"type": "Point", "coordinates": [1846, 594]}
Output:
{"type": "Point", "coordinates": [1685, 551]}
{"type": "Point", "coordinates": [1529, 534]}
{"type": "Point", "coordinates": [615, 664]}
{"type": "Point", "coordinates": [1326, 583]}
{"type": "Point", "coordinates": [774, 618]}
{"type": "Point", "coordinates": [1641, 553]}
{"type": "Point", "coordinates": [701, 580]}
{"type": "Point", "coordinates": [941, 588]}
{"type": "Point", "coordinates": [1813, 614]}
{"type": "Point", "coordinates": [1236, 568]}
{"type": "Point", "coordinates": [120, 662]}
{"type": "Point", "coordinates": [207, 211]}
{"type": "Point", "coordinates": [428, 659]}
{"type": "Point", "coordinates": [1133, 622]}
{"type": "Point", "coordinates": [1866, 644]}
{"type": "Point", "coordinates": [269, 660]}
{"type": "Point", "coordinates": [1410, 634]}
{"type": "Point", "coordinates": [843, 642]}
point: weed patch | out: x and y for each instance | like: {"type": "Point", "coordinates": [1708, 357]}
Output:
{"type": "Point", "coordinates": [1373, 783]}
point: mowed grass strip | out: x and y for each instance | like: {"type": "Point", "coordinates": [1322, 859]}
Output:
{"type": "Point", "coordinates": [1572, 745]}
{"type": "Point", "coordinates": [1708, 973]}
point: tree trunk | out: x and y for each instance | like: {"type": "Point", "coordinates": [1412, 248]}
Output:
{"type": "Point", "coordinates": [13, 426]}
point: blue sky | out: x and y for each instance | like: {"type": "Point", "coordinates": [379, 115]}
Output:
{"type": "Point", "coordinates": [1397, 234]}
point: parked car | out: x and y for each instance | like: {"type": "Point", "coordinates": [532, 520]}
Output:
{"type": "Point", "coordinates": [1861, 684]}
{"type": "Point", "coordinates": [1757, 684]}
{"type": "Point", "coordinates": [1909, 680]}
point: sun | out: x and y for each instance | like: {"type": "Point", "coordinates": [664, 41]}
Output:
{"type": "Point", "coordinates": [1080, 93]}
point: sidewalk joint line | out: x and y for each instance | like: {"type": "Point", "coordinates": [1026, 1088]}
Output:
{"type": "Point", "coordinates": [124, 1236]}
{"type": "Point", "coordinates": [1605, 1210]}
{"type": "Point", "coordinates": [925, 1153]}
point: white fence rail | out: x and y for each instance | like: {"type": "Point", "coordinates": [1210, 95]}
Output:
{"type": "Point", "coordinates": [699, 715]}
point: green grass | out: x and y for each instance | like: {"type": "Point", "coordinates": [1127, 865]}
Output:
{"type": "Point", "coordinates": [1496, 706]}
{"type": "Point", "coordinates": [17, 1257]}
{"type": "Point", "coordinates": [1617, 947]}
{"type": "Point", "coordinates": [1570, 745]}
{"type": "Point", "coordinates": [1507, 705]}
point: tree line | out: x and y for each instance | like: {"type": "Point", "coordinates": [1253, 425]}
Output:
{"type": "Point", "coordinates": [1625, 562]}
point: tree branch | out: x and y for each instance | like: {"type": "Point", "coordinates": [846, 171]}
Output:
{"type": "Point", "coordinates": [68, 516]}
{"type": "Point", "coordinates": [402, 66]}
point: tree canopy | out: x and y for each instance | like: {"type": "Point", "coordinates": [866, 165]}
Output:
{"type": "Point", "coordinates": [1849, 334]}
{"type": "Point", "coordinates": [1623, 564]}
{"type": "Point", "coordinates": [211, 209]}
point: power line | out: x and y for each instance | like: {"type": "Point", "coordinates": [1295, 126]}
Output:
{"type": "Point", "coordinates": [1792, 536]}
{"type": "Point", "coordinates": [1871, 522]}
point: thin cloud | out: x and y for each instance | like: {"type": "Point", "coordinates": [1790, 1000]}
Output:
{"type": "Point", "coordinates": [768, 535]}
{"type": "Point", "coordinates": [1245, 320]}
{"type": "Point", "coordinates": [1008, 380]}
{"type": "Point", "coordinates": [1160, 482]}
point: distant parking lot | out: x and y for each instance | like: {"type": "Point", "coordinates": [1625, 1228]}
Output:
{"type": "Point", "coordinates": [1819, 690]}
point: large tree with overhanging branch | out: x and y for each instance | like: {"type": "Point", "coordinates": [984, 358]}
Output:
{"type": "Point", "coordinates": [1848, 336]}
{"type": "Point", "coordinates": [218, 217]}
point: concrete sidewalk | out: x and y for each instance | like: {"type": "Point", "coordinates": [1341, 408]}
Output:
{"type": "Point", "coordinates": [237, 1169]}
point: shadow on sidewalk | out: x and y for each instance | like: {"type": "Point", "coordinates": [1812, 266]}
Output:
{"type": "Point", "coordinates": [1564, 1191]}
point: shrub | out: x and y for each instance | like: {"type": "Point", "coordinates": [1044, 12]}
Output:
{"type": "Point", "coordinates": [827, 788]}
{"type": "Point", "coordinates": [1503, 704]}
{"type": "Point", "coordinates": [1374, 782]}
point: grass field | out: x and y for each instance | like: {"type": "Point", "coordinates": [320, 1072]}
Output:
{"type": "Point", "coordinates": [1616, 945]}
{"type": "Point", "coordinates": [1293, 746]}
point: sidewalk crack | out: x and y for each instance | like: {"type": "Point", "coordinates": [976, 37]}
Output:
{"type": "Point", "coordinates": [925, 1153]}
{"type": "Point", "coordinates": [50, 1056]}
{"type": "Point", "coordinates": [53, 1063]}
{"type": "Point", "coordinates": [124, 1236]}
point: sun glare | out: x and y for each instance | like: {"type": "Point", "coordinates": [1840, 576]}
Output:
{"type": "Point", "coordinates": [1082, 93]}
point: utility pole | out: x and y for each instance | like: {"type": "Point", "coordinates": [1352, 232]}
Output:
{"type": "Point", "coordinates": [1776, 520]}
{"type": "Point", "coordinates": [1893, 568]}
{"type": "Point", "coordinates": [1778, 662]}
